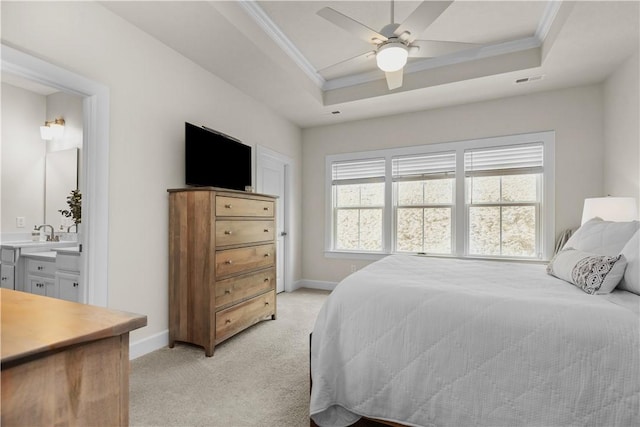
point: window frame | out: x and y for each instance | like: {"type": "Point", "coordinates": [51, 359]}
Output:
{"type": "Point", "coordinates": [423, 167]}
{"type": "Point", "coordinates": [459, 210]}
{"type": "Point", "coordinates": [359, 207]}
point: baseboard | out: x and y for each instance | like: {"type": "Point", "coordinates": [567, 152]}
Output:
{"type": "Point", "coordinates": [316, 284]}
{"type": "Point", "coordinates": [149, 344]}
{"type": "Point", "coordinates": [161, 339]}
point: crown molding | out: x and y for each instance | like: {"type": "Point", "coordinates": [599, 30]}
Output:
{"type": "Point", "coordinates": [262, 19]}
{"type": "Point", "coordinates": [268, 26]}
{"type": "Point", "coordinates": [487, 51]}
{"type": "Point", "coordinates": [548, 16]}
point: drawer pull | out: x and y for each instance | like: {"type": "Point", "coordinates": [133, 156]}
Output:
{"type": "Point", "coordinates": [266, 279]}
{"type": "Point", "coordinates": [266, 230]}
{"type": "Point", "coordinates": [267, 255]}
{"type": "Point", "coordinates": [229, 262]}
{"type": "Point", "coordinates": [266, 208]}
{"type": "Point", "coordinates": [227, 291]}
{"type": "Point", "coordinates": [40, 267]}
{"type": "Point", "coordinates": [227, 321]}
{"type": "Point", "coordinates": [266, 303]}
{"type": "Point", "coordinates": [75, 284]}
{"type": "Point", "coordinates": [3, 279]}
{"type": "Point", "coordinates": [228, 206]}
{"type": "Point", "coordinates": [229, 232]}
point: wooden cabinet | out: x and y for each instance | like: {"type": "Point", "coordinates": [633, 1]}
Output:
{"type": "Point", "coordinates": [64, 363]}
{"type": "Point", "coordinates": [222, 257]}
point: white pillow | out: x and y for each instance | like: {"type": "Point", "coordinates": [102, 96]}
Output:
{"type": "Point", "coordinates": [593, 273]}
{"type": "Point", "coordinates": [602, 237]}
{"type": "Point", "coordinates": [631, 280]}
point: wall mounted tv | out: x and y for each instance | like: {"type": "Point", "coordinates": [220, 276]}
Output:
{"type": "Point", "coordinates": [213, 159]}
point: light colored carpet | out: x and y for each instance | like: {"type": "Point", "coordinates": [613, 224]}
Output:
{"type": "Point", "coordinates": [259, 377]}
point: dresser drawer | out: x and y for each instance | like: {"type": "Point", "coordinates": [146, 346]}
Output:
{"type": "Point", "coordinates": [39, 267]}
{"type": "Point", "coordinates": [230, 291]}
{"type": "Point", "coordinates": [232, 261]}
{"type": "Point", "coordinates": [241, 232]}
{"type": "Point", "coordinates": [233, 206]}
{"type": "Point", "coordinates": [241, 316]}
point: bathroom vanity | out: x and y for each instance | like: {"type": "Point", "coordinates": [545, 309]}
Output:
{"type": "Point", "coordinates": [44, 268]}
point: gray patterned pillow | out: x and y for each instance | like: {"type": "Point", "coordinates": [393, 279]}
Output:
{"type": "Point", "coordinates": [594, 274]}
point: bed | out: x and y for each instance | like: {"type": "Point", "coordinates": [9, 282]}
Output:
{"type": "Point", "coordinates": [422, 341]}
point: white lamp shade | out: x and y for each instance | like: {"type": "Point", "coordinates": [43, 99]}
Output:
{"type": "Point", "coordinates": [392, 57]}
{"type": "Point", "coordinates": [45, 133]}
{"type": "Point", "coordinates": [610, 209]}
{"type": "Point", "coordinates": [57, 131]}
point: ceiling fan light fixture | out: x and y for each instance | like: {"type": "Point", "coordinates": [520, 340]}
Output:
{"type": "Point", "coordinates": [392, 56]}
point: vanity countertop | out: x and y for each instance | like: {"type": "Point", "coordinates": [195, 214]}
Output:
{"type": "Point", "coordinates": [71, 250]}
{"type": "Point", "coordinates": [28, 244]}
{"type": "Point", "coordinates": [42, 256]}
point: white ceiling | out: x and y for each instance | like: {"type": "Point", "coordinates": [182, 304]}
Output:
{"type": "Point", "coordinates": [276, 51]}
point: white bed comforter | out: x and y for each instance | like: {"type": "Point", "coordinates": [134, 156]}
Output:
{"type": "Point", "coordinates": [440, 342]}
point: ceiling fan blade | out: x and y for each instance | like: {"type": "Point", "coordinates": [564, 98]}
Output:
{"type": "Point", "coordinates": [354, 27]}
{"type": "Point", "coordinates": [394, 79]}
{"type": "Point", "coordinates": [420, 19]}
{"type": "Point", "coordinates": [432, 48]}
{"type": "Point", "coordinates": [353, 60]}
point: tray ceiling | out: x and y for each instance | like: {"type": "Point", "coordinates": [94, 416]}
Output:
{"type": "Point", "coordinates": [278, 51]}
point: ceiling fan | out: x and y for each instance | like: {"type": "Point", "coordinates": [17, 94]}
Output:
{"type": "Point", "coordinates": [394, 43]}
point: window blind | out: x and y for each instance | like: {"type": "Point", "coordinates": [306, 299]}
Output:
{"type": "Point", "coordinates": [424, 166]}
{"type": "Point", "coordinates": [520, 159]}
{"type": "Point", "coordinates": [353, 172]}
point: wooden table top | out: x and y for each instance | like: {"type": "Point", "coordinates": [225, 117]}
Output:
{"type": "Point", "coordinates": [33, 324]}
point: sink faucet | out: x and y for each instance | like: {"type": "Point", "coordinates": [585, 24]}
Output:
{"type": "Point", "coordinates": [71, 226]}
{"type": "Point", "coordinates": [51, 237]}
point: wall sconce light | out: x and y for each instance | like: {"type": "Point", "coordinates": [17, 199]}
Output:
{"type": "Point", "coordinates": [52, 129]}
{"type": "Point", "coordinates": [610, 209]}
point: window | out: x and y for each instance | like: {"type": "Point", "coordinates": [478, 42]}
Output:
{"type": "Point", "coordinates": [424, 196]}
{"type": "Point", "coordinates": [358, 201]}
{"type": "Point", "coordinates": [503, 200]}
{"type": "Point", "coordinates": [490, 197]}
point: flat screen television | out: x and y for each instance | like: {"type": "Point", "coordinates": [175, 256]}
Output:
{"type": "Point", "coordinates": [213, 159]}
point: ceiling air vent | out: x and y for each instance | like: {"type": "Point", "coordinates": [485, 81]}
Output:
{"type": "Point", "coordinates": [529, 79]}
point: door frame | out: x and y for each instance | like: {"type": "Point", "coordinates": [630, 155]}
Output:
{"type": "Point", "coordinates": [262, 153]}
{"type": "Point", "coordinates": [95, 157]}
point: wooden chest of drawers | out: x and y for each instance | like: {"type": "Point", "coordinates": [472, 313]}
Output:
{"type": "Point", "coordinates": [222, 258]}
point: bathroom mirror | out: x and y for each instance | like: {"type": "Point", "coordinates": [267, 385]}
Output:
{"type": "Point", "coordinates": [61, 177]}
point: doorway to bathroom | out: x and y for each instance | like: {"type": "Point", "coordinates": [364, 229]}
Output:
{"type": "Point", "coordinates": [92, 176]}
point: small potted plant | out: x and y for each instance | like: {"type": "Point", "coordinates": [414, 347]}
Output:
{"type": "Point", "coordinates": [74, 200]}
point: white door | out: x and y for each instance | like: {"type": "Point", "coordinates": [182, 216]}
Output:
{"type": "Point", "coordinates": [272, 180]}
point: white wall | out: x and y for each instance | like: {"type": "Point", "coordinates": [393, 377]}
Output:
{"type": "Point", "coordinates": [622, 132]}
{"type": "Point", "coordinates": [69, 107]}
{"type": "Point", "coordinates": [23, 156]}
{"type": "Point", "coordinates": [575, 114]}
{"type": "Point", "coordinates": [153, 91]}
